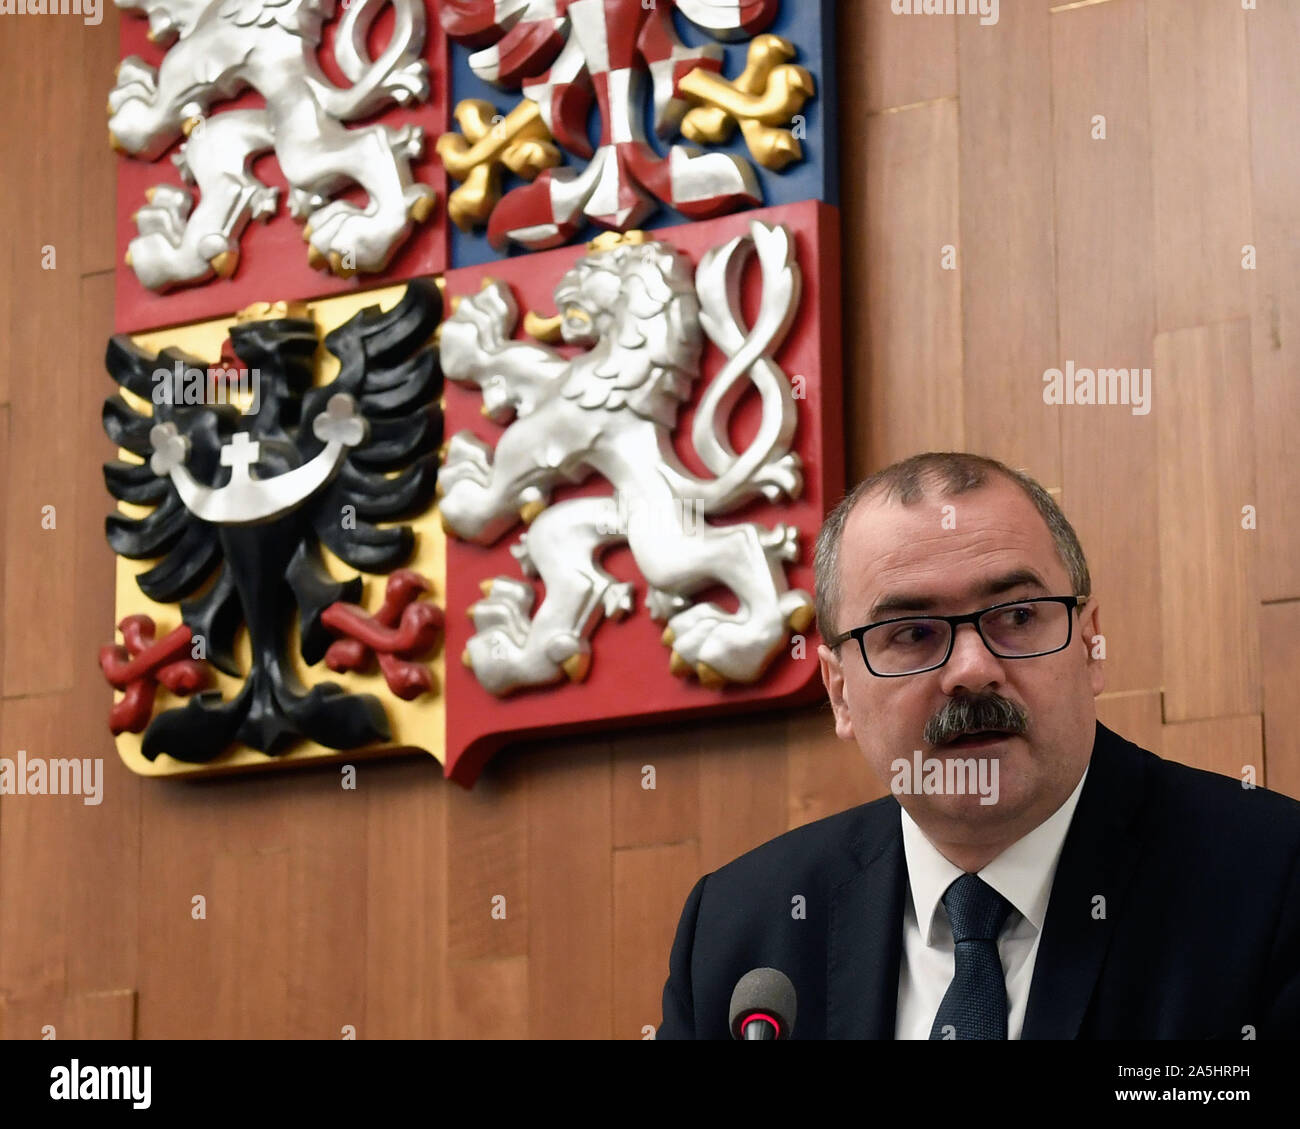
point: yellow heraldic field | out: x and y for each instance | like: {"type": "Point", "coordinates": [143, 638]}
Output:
{"type": "Point", "coordinates": [418, 725]}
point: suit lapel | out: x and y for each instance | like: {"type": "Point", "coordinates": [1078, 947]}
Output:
{"type": "Point", "coordinates": [866, 929]}
{"type": "Point", "coordinates": [1097, 859]}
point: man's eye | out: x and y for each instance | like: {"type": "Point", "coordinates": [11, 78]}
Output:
{"type": "Point", "coordinates": [910, 634]}
{"type": "Point", "coordinates": [1023, 615]}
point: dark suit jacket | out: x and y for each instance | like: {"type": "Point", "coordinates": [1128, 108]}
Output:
{"type": "Point", "coordinates": [1200, 938]}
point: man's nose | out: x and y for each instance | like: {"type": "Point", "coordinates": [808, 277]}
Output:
{"type": "Point", "coordinates": [971, 666]}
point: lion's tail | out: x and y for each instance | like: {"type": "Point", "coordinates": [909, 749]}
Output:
{"type": "Point", "coordinates": [399, 74]}
{"type": "Point", "coordinates": [767, 466]}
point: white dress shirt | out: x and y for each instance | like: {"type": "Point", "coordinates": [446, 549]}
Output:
{"type": "Point", "coordinates": [1022, 874]}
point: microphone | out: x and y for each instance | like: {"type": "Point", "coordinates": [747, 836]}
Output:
{"type": "Point", "coordinates": [762, 1005]}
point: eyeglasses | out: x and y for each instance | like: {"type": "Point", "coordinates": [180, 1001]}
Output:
{"type": "Point", "coordinates": [1023, 629]}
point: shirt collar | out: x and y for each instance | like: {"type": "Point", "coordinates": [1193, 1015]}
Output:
{"type": "Point", "coordinates": [1022, 873]}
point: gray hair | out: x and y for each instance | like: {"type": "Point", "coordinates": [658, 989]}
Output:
{"type": "Point", "coordinates": [950, 473]}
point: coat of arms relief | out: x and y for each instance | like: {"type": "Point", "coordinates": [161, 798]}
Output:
{"type": "Point", "coordinates": [641, 317]}
{"type": "Point", "coordinates": [640, 429]}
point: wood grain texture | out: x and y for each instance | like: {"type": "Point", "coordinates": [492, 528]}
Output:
{"type": "Point", "coordinates": [1279, 641]}
{"type": "Point", "coordinates": [825, 775]}
{"type": "Point", "coordinates": [487, 832]}
{"type": "Point", "coordinates": [249, 936]}
{"type": "Point", "coordinates": [8, 303]}
{"type": "Point", "coordinates": [229, 844]}
{"type": "Point", "coordinates": [48, 421]}
{"type": "Point", "coordinates": [100, 1015]}
{"type": "Point", "coordinates": [1209, 590]}
{"type": "Point", "coordinates": [82, 1015]}
{"type": "Point", "coordinates": [1200, 131]}
{"type": "Point", "coordinates": [1134, 715]}
{"type": "Point", "coordinates": [650, 889]}
{"type": "Point", "coordinates": [1274, 44]}
{"type": "Point", "coordinates": [1226, 745]}
{"type": "Point", "coordinates": [44, 112]}
{"type": "Point", "coordinates": [328, 872]}
{"type": "Point", "coordinates": [99, 56]}
{"type": "Point", "coordinates": [39, 607]}
{"type": "Point", "coordinates": [904, 355]}
{"type": "Point", "coordinates": [570, 890]}
{"type": "Point", "coordinates": [488, 999]}
{"type": "Point", "coordinates": [102, 886]}
{"type": "Point", "coordinates": [36, 937]}
{"type": "Point", "coordinates": [4, 507]}
{"type": "Point", "coordinates": [10, 135]}
{"type": "Point", "coordinates": [406, 900]}
{"type": "Point", "coordinates": [901, 61]}
{"type": "Point", "coordinates": [1008, 245]}
{"type": "Point", "coordinates": [1104, 217]}
{"type": "Point", "coordinates": [655, 789]}
{"type": "Point", "coordinates": [742, 788]}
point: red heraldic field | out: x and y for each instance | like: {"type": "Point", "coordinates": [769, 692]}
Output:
{"type": "Point", "coordinates": [642, 437]}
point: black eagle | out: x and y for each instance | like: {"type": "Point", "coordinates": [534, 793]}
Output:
{"type": "Point", "coordinates": [266, 573]}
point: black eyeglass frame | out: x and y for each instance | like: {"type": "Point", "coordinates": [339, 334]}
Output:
{"type": "Point", "coordinates": [954, 622]}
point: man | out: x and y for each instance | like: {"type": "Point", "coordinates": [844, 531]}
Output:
{"type": "Point", "coordinates": [1033, 875]}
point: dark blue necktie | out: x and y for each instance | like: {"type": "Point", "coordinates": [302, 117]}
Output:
{"type": "Point", "coordinates": [975, 1005]}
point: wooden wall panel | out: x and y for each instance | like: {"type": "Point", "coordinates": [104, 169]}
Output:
{"type": "Point", "coordinates": [1007, 249]}
{"type": "Point", "coordinates": [668, 812]}
{"type": "Point", "coordinates": [1279, 641]}
{"type": "Point", "coordinates": [4, 507]}
{"type": "Point", "coordinates": [1105, 242]}
{"type": "Point", "coordinates": [488, 833]}
{"type": "Point", "coordinates": [246, 994]}
{"type": "Point", "coordinates": [1209, 590]}
{"type": "Point", "coordinates": [650, 888]}
{"type": "Point", "coordinates": [1134, 714]}
{"type": "Point", "coordinates": [228, 844]}
{"type": "Point", "coordinates": [1217, 744]}
{"type": "Point", "coordinates": [42, 190]}
{"type": "Point", "coordinates": [570, 890]}
{"type": "Point", "coordinates": [8, 302]}
{"type": "Point", "coordinates": [488, 999]}
{"type": "Point", "coordinates": [82, 1015]}
{"type": "Point", "coordinates": [486, 995]}
{"type": "Point", "coordinates": [405, 900]}
{"type": "Point", "coordinates": [903, 358]}
{"type": "Point", "coordinates": [100, 1015]}
{"type": "Point", "coordinates": [1200, 134]}
{"type": "Point", "coordinates": [11, 126]}
{"type": "Point", "coordinates": [35, 937]}
{"type": "Point", "coordinates": [328, 875]}
{"type": "Point", "coordinates": [1274, 42]}
{"type": "Point", "coordinates": [102, 884]}
{"type": "Point", "coordinates": [43, 429]}
{"type": "Point", "coordinates": [901, 62]}
{"type": "Point", "coordinates": [372, 909]}
{"type": "Point", "coordinates": [656, 839]}
{"type": "Point", "coordinates": [824, 774]}
{"type": "Point", "coordinates": [742, 787]}
{"type": "Point", "coordinates": [96, 68]}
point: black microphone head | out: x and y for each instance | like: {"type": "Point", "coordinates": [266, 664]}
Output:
{"type": "Point", "coordinates": [765, 991]}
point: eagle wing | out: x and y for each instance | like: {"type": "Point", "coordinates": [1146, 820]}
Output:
{"type": "Point", "coordinates": [188, 549]}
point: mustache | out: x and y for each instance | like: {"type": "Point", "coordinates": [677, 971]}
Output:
{"type": "Point", "coordinates": [973, 714]}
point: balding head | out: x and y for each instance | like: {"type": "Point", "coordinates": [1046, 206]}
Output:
{"type": "Point", "coordinates": [942, 474]}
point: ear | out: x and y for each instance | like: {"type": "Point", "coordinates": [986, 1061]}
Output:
{"type": "Point", "coordinates": [833, 677]}
{"type": "Point", "coordinates": [1090, 628]}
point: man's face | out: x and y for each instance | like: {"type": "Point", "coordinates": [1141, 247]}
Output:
{"type": "Point", "coordinates": [949, 556]}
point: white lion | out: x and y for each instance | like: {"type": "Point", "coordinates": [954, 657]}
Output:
{"type": "Point", "coordinates": [612, 411]}
{"type": "Point", "coordinates": [225, 46]}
